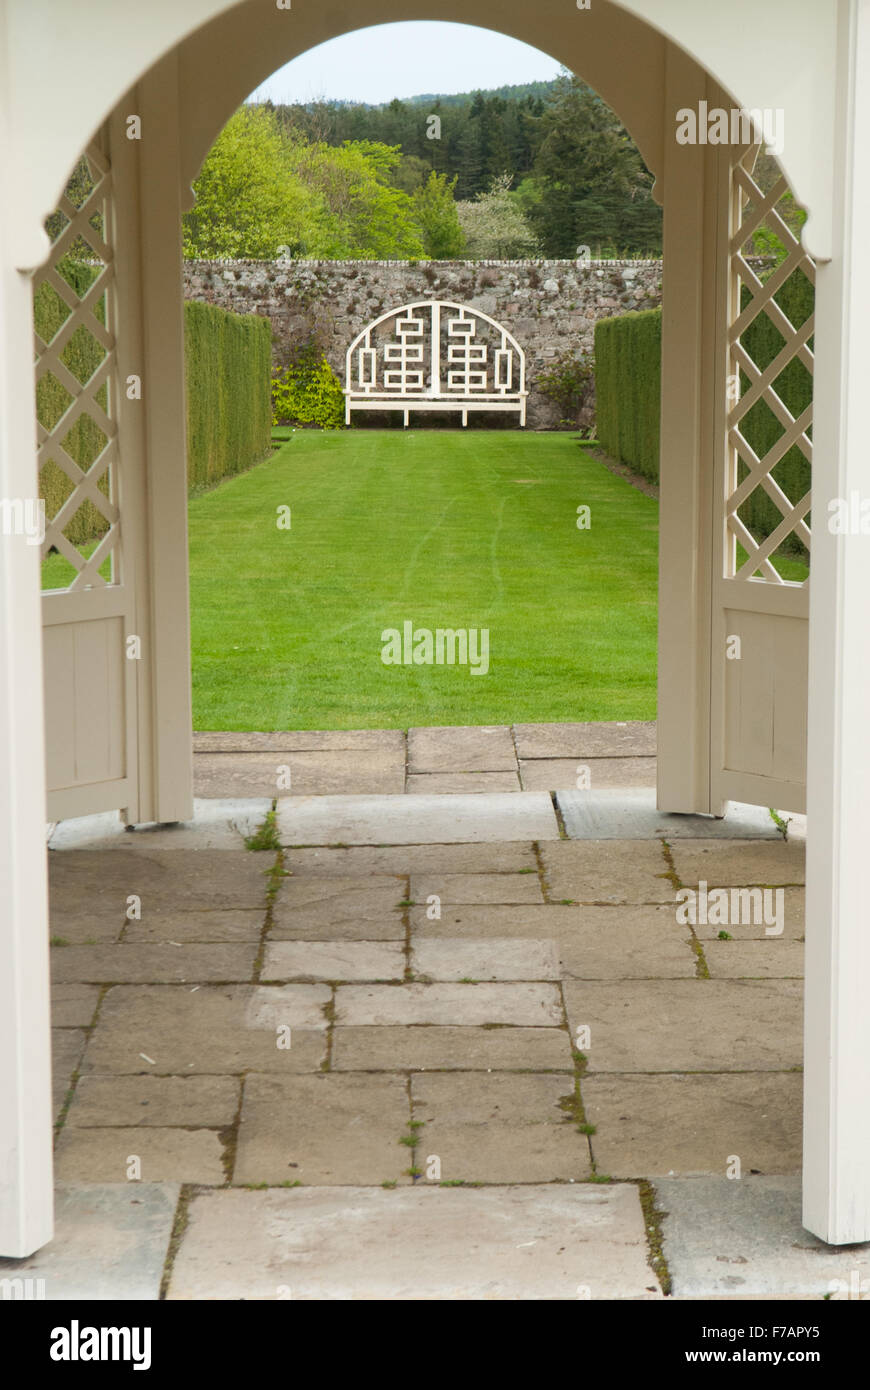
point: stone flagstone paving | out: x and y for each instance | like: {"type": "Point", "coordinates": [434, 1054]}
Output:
{"type": "Point", "coordinates": [435, 1014]}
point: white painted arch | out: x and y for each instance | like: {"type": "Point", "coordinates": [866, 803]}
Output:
{"type": "Point", "coordinates": [226, 49]}
{"type": "Point", "coordinates": [67, 65]}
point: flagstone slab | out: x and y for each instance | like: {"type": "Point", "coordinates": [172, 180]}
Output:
{"type": "Point", "coordinates": [527, 1005]}
{"type": "Point", "coordinates": [688, 1025]}
{"type": "Point", "coordinates": [461, 749]}
{"type": "Point", "coordinates": [606, 871]}
{"type": "Point", "coordinates": [73, 1006]}
{"type": "Point", "coordinates": [140, 963]}
{"type": "Point", "coordinates": [361, 771]}
{"type": "Point", "coordinates": [357, 908]}
{"type": "Point", "coordinates": [776, 958]}
{"type": "Point", "coordinates": [459, 921]}
{"type": "Point", "coordinates": [770, 862]}
{"type": "Point", "coordinates": [624, 943]}
{"type": "Point", "coordinates": [617, 942]}
{"type": "Point", "coordinates": [306, 740]}
{"type": "Point", "coordinates": [102, 923]}
{"type": "Point", "coordinates": [201, 925]}
{"type": "Point", "coordinates": [426, 1242]}
{"type": "Point", "coordinates": [602, 740]}
{"type": "Point", "coordinates": [323, 862]}
{"type": "Point", "coordinates": [500, 1129]}
{"type": "Point", "coordinates": [223, 774]}
{"type": "Point", "coordinates": [424, 783]}
{"type": "Point", "coordinates": [477, 888]}
{"type": "Point", "coordinates": [165, 1155]}
{"type": "Point", "coordinates": [334, 960]}
{"type": "Point", "coordinates": [561, 774]}
{"type": "Point", "coordinates": [110, 1242]}
{"type": "Point", "coordinates": [648, 1126]}
{"type": "Point", "coordinates": [793, 921]}
{"type": "Point", "coordinates": [398, 820]}
{"type": "Point", "coordinates": [322, 1129]}
{"type": "Point", "coordinates": [746, 1239]}
{"type": "Point", "coordinates": [626, 814]}
{"type": "Point", "coordinates": [434, 1048]}
{"type": "Point", "coordinates": [165, 880]}
{"type": "Point", "coordinates": [488, 959]}
{"type": "Point", "coordinates": [288, 1006]}
{"type": "Point", "coordinates": [217, 824]}
{"type": "Point", "coordinates": [214, 1029]}
{"type": "Point", "coordinates": [199, 1101]}
{"type": "Point", "coordinates": [354, 771]}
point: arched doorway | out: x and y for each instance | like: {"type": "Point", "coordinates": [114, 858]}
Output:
{"type": "Point", "coordinates": [646, 77]}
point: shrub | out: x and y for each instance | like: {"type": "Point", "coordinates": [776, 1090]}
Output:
{"type": "Point", "coordinates": [570, 383]}
{"type": "Point", "coordinates": [307, 392]}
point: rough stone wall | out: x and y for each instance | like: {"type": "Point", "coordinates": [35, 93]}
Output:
{"type": "Point", "coordinates": [551, 307]}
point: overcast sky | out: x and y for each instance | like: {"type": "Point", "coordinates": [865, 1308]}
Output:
{"type": "Point", "coordinates": [405, 60]}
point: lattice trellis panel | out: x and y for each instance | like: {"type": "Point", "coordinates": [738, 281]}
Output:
{"type": "Point", "coordinates": [775, 539]}
{"type": "Point", "coordinates": [76, 386]}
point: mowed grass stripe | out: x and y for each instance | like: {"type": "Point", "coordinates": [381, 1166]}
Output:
{"type": "Point", "coordinates": [445, 529]}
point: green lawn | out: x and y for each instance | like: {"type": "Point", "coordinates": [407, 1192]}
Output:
{"type": "Point", "coordinates": [445, 529]}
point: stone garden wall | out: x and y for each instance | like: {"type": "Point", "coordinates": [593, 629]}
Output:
{"type": "Point", "coordinates": [551, 307]}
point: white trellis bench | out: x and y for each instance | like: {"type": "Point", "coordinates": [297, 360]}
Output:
{"type": "Point", "coordinates": [435, 355]}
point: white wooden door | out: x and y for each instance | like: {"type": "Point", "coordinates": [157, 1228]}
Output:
{"type": "Point", "coordinates": [88, 592]}
{"type": "Point", "coordinates": [760, 587]}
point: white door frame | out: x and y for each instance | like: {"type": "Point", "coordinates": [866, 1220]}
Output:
{"type": "Point", "coordinates": [32, 125]}
{"type": "Point", "coordinates": [26, 1203]}
{"type": "Point", "coordinates": [836, 1187]}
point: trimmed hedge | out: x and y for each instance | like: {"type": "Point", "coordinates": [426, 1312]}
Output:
{"type": "Point", "coordinates": [228, 365]}
{"type": "Point", "coordinates": [228, 370]}
{"type": "Point", "coordinates": [628, 373]}
{"type": "Point", "coordinates": [628, 383]}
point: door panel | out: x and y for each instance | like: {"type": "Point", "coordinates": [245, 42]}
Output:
{"type": "Point", "coordinates": [90, 686]}
{"type": "Point", "coordinates": [760, 601]}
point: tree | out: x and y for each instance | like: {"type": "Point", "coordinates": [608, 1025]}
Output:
{"type": "Point", "coordinates": [410, 174]}
{"type": "Point", "coordinates": [249, 202]}
{"type": "Point", "coordinates": [438, 218]}
{"type": "Point", "coordinates": [593, 184]}
{"type": "Point", "coordinates": [494, 225]}
{"type": "Point", "coordinates": [367, 218]}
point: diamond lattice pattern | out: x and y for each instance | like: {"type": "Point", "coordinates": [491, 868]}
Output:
{"type": "Point", "coordinates": [771, 357]}
{"type": "Point", "coordinates": [75, 385]}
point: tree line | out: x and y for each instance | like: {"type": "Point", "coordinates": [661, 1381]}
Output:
{"type": "Point", "coordinates": [526, 171]}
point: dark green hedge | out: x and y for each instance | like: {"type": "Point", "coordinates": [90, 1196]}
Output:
{"type": "Point", "coordinates": [628, 382]}
{"type": "Point", "coordinates": [228, 364]}
{"type": "Point", "coordinates": [228, 367]}
{"type": "Point", "coordinates": [628, 352]}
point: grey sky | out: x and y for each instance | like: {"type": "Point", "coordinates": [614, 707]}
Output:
{"type": "Point", "coordinates": [404, 60]}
